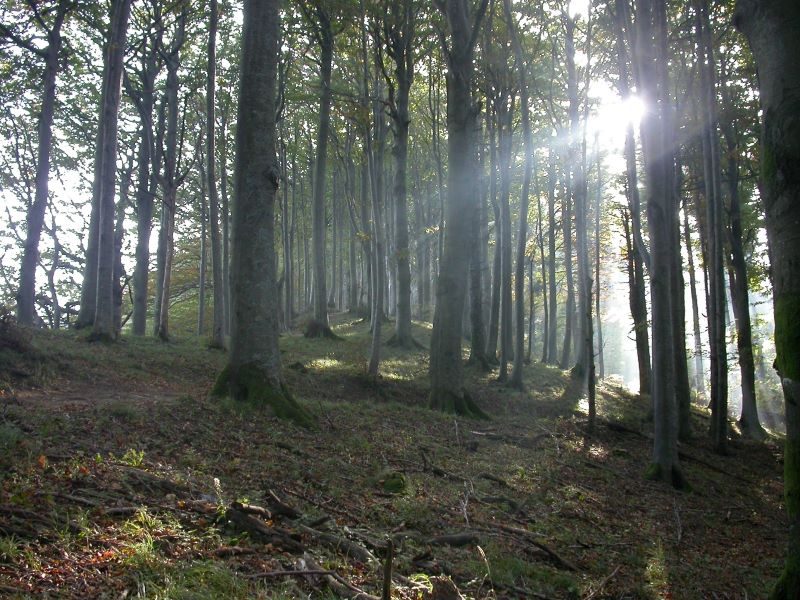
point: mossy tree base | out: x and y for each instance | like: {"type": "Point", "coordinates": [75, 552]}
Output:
{"type": "Point", "coordinates": [754, 432]}
{"type": "Point", "coordinates": [101, 337]}
{"type": "Point", "coordinates": [406, 343]}
{"type": "Point", "coordinates": [460, 404]}
{"type": "Point", "coordinates": [655, 472]}
{"type": "Point", "coordinates": [316, 329]}
{"type": "Point", "coordinates": [248, 383]}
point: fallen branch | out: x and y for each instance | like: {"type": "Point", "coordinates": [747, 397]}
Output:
{"type": "Point", "coordinates": [338, 584]}
{"type": "Point", "coordinates": [465, 538]}
{"type": "Point", "coordinates": [280, 508]}
{"type": "Point", "coordinates": [259, 530]}
{"type": "Point", "coordinates": [338, 543]}
{"type": "Point", "coordinates": [603, 583]}
{"type": "Point", "coordinates": [533, 539]}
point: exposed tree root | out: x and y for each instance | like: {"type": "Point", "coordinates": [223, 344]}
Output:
{"type": "Point", "coordinates": [249, 383]}
{"type": "Point", "coordinates": [456, 403]}
{"type": "Point", "coordinates": [315, 329]}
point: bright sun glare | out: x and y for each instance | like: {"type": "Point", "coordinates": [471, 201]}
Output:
{"type": "Point", "coordinates": [612, 119]}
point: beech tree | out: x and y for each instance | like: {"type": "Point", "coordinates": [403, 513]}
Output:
{"type": "Point", "coordinates": [253, 373]}
{"type": "Point", "coordinates": [771, 28]}
{"type": "Point", "coordinates": [446, 369]}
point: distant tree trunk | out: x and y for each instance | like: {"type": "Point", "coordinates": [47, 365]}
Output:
{"type": "Point", "coordinates": [171, 179]}
{"type": "Point", "coordinates": [569, 310]}
{"type": "Point", "coordinates": [103, 325]}
{"type": "Point", "coordinates": [749, 422]}
{"type": "Point", "coordinates": [505, 115]}
{"type": "Point", "coordinates": [683, 391]}
{"type": "Point", "coordinates": [716, 280]}
{"type": "Point", "coordinates": [699, 371]}
{"type": "Point", "coordinates": [657, 143]}
{"type": "Point", "coordinates": [494, 308]}
{"type": "Point", "coordinates": [320, 22]}
{"type": "Point", "coordinates": [201, 296]}
{"type": "Point", "coordinates": [34, 221]}
{"type": "Point", "coordinates": [637, 252]}
{"type": "Point", "coordinates": [522, 237]}
{"type": "Point", "coordinates": [446, 369]}
{"type": "Point", "coordinates": [598, 209]}
{"type": "Point", "coordinates": [253, 373]}
{"type": "Point", "coordinates": [223, 185]}
{"type": "Point", "coordinates": [477, 355]}
{"type": "Point", "coordinates": [400, 32]}
{"type": "Point", "coordinates": [119, 236]}
{"type": "Point", "coordinates": [552, 350]}
{"type": "Point", "coordinates": [217, 328]}
{"type": "Point", "coordinates": [771, 29]}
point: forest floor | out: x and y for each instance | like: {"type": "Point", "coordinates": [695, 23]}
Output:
{"type": "Point", "coordinates": [119, 478]}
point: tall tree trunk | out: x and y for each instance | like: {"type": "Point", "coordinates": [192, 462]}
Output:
{"type": "Point", "coordinates": [170, 179]}
{"type": "Point", "coordinates": [201, 302]}
{"type": "Point", "coordinates": [569, 309]}
{"type": "Point", "coordinates": [217, 327]}
{"type": "Point", "coordinates": [26, 310]}
{"type": "Point", "coordinates": [699, 371]}
{"type": "Point", "coordinates": [771, 28]}
{"type": "Point", "coordinates": [223, 188]}
{"type": "Point", "coordinates": [505, 115]}
{"type": "Point", "coordinates": [446, 369]}
{"type": "Point", "coordinates": [522, 237]}
{"type": "Point", "coordinates": [716, 305]}
{"type": "Point", "coordinates": [321, 23]}
{"type": "Point", "coordinates": [103, 326]}
{"type": "Point", "coordinates": [551, 262]}
{"type": "Point", "coordinates": [598, 210]}
{"type": "Point", "coordinates": [657, 143]}
{"type": "Point", "coordinates": [400, 33]}
{"type": "Point", "coordinates": [253, 373]}
{"type": "Point", "coordinates": [637, 251]}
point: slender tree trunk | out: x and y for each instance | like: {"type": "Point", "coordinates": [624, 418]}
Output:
{"type": "Point", "coordinates": [551, 248]}
{"type": "Point", "coordinates": [598, 210]}
{"type": "Point", "coordinates": [505, 115]}
{"type": "Point", "coordinates": [223, 185]}
{"type": "Point", "coordinates": [716, 306]}
{"type": "Point", "coordinates": [26, 308]}
{"type": "Point", "coordinates": [319, 326]}
{"type": "Point", "coordinates": [103, 326]}
{"type": "Point", "coordinates": [201, 304]}
{"type": "Point", "coordinates": [699, 371]}
{"type": "Point", "coordinates": [217, 328]}
{"type": "Point", "coordinates": [569, 310]}
{"type": "Point", "coordinates": [522, 238]}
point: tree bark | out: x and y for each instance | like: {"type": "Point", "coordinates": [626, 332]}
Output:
{"type": "Point", "coordinates": [217, 327]}
{"type": "Point", "coordinates": [253, 373]}
{"type": "Point", "coordinates": [446, 369]}
{"type": "Point", "coordinates": [771, 29]}
{"type": "Point", "coordinates": [26, 309]}
{"type": "Point", "coordinates": [659, 165]}
{"type": "Point", "coordinates": [103, 325]}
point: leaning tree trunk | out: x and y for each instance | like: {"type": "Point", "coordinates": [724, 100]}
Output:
{"type": "Point", "coordinates": [103, 328]}
{"type": "Point", "coordinates": [771, 29]}
{"type": "Point", "coordinates": [26, 310]}
{"type": "Point", "coordinates": [253, 373]}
